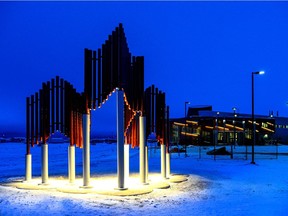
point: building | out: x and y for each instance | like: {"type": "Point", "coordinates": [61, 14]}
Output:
{"type": "Point", "coordinates": [281, 129]}
{"type": "Point", "coordinates": [203, 126]}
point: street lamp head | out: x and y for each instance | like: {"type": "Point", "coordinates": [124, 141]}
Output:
{"type": "Point", "coordinates": [259, 72]}
{"type": "Point", "coordinates": [187, 102]}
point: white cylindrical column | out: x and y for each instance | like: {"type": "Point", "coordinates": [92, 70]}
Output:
{"type": "Point", "coordinates": [163, 161]}
{"type": "Point", "coordinates": [71, 163]}
{"type": "Point", "coordinates": [28, 175]}
{"type": "Point", "coordinates": [44, 171]}
{"type": "Point", "coordinates": [120, 140]}
{"type": "Point", "coordinates": [86, 150]}
{"type": "Point", "coordinates": [126, 164]}
{"type": "Point", "coordinates": [168, 169]}
{"type": "Point", "coordinates": [142, 153]}
{"type": "Point", "coordinates": [146, 160]}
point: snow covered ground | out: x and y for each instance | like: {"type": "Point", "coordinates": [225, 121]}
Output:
{"type": "Point", "coordinates": [214, 187]}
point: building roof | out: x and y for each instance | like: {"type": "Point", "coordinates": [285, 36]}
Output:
{"type": "Point", "coordinates": [205, 113]}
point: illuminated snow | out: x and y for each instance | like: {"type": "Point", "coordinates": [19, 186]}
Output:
{"type": "Point", "coordinates": [220, 187]}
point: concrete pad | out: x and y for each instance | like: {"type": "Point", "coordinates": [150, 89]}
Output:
{"type": "Point", "coordinates": [112, 192]}
{"type": "Point", "coordinates": [128, 192]}
{"type": "Point", "coordinates": [100, 185]}
{"type": "Point", "coordinates": [177, 179]}
{"type": "Point", "coordinates": [178, 174]}
{"type": "Point", "coordinates": [74, 190]}
{"type": "Point", "coordinates": [160, 185]}
{"type": "Point", "coordinates": [26, 186]}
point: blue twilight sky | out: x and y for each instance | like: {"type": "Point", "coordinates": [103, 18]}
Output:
{"type": "Point", "coordinates": [202, 52]}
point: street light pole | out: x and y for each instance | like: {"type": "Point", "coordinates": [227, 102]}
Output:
{"type": "Point", "coordinates": [216, 135]}
{"type": "Point", "coordinates": [224, 135]}
{"type": "Point", "coordinates": [253, 118]}
{"type": "Point", "coordinates": [244, 136]}
{"type": "Point", "coordinates": [234, 122]}
{"type": "Point", "coordinates": [186, 102]}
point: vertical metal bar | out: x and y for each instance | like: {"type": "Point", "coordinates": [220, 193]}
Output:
{"type": "Point", "coordinates": [104, 73]}
{"type": "Point", "coordinates": [28, 125]}
{"type": "Point", "coordinates": [99, 79]}
{"type": "Point", "coordinates": [52, 105]}
{"type": "Point", "coordinates": [37, 117]}
{"type": "Point", "coordinates": [44, 105]}
{"type": "Point", "coordinates": [168, 161]}
{"type": "Point", "coordinates": [41, 115]}
{"type": "Point", "coordinates": [86, 150]}
{"type": "Point", "coordinates": [121, 56]}
{"type": "Point", "coordinates": [147, 110]}
{"type": "Point", "coordinates": [140, 82]}
{"type": "Point", "coordinates": [76, 129]}
{"type": "Point", "coordinates": [108, 69]}
{"type": "Point", "coordinates": [156, 108]}
{"type": "Point", "coordinates": [94, 85]}
{"type": "Point", "coordinates": [120, 139]}
{"type": "Point", "coordinates": [79, 130]}
{"type": "Point", "coordinates": [163, 161]}
{"type": "Point", "coordinates": [28, 164]}
{"type": "Point", "coordinates": [71, 164]}
{"type": "Point", "coordinates": [142, 149]}
{"type": "Point", "coordinates": [110, 63]}
{"type": "Point", "coordinates": [72, 142]}
{"type": "Point", "coordinates": [152, 108]}
{"type": "Point", "coordinates": [168, 130]}
{"type": "Point", "coordinates": [57, 103]}
{"type": "Point", "coordinates": [88, 75]}
{"type": "Point", "coordinates": [67, 110]}
{"type": "Point", "coordinates": [44, 170]}
{"type": "Point", "coordinates": [114, 60]}
{"type": "Point", "coordinates": [62, 106]}
{"type": "Point", "coordinates": [86, 70]}
{"type": "Point", "coordinates": [32, 120]}
{"type": "Point", "coordinates": [48, 110]}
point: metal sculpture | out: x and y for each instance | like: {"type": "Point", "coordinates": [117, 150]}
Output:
{"type": "Point", "coordinates": [60, 108]}
{"type": "Point", "coordinates": [157, 114]}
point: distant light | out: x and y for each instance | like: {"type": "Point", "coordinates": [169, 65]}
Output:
{"type": "Point", "coordinates": [262, 72]}
{"type": "Point", "coordinates": [259, 72]}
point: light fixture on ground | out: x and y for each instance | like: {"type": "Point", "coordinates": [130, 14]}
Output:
{"type": "Point", "coordinates": [253, 118]}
